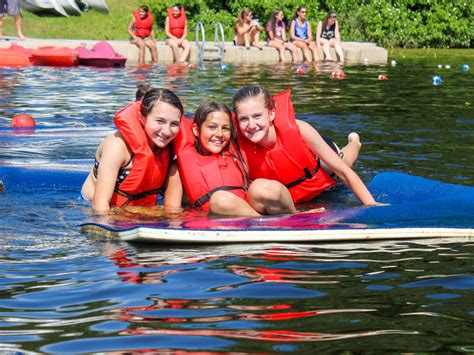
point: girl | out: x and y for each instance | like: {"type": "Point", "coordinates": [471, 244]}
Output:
{"type": "Point", "coordinates": [140, 29]}
{"type": "Point", "coordinates": [276, 35]}
{"type": "Point", "coordinates": [288, 150]}
{"type": "Point", "coordinates": [247, 31]}
{"type": "Point", "coordinates": [214, 172]}
{"type": "Point", "coordinates": [131, 164]}
{"type": "Point", "coordinates": [300, 34]}
{"type": "Point", "coordinates": [327, 35]}
{"type": "Point", "coordinates": [176, 29]}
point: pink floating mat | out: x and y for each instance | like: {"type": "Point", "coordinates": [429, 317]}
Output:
{"type": "Point", "coordinates": [101, 55]}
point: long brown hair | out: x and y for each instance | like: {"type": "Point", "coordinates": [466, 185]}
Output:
{"type": "Point", "coordinates": [241, 18]}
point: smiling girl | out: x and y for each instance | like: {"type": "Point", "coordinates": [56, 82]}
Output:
{"type": "Point", "coordinates": [291, 151]}
{"type": "Point", "coordinates": [214, 172]}
{"type": "Point", "coordinates": [132, 164]}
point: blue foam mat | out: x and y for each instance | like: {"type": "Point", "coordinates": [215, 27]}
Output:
{"type": "Point", "coordinates": [414, 202]}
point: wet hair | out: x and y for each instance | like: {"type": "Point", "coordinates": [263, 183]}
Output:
{"type": "Point", "coordinates": [142, 89]}
{"type": "Point", "coordinates": [248, 92]}
{"type": "Point", "coordinates": [330, 14]}
{"type": "Point", "coordinates": [178, 5]}
{"type": "Point", "coordinates": [144, 8]}
{"type": "Point", "coordinates": [161, 95]}
{"type": "Point", "coordinates": [201, 115]}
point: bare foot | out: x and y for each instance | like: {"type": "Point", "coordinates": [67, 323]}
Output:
{"type": "Point", "coordinates": [21, 38]}
{"type": "Point", "coordinates": [353, 137]}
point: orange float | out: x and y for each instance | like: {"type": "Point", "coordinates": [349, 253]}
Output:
{"type": "Point", "coordinates": [23, 120]}
{"type": "Point", "coordinates": [55, 56]}
{"type": "Point", "coordinates": [11, 57]}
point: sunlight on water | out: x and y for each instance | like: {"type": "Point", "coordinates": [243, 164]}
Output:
{"type": "Point", "coordinates": [64, 292]}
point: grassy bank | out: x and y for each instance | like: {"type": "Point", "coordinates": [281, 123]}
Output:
{"type": "Point", "coordinates": [91, 25]}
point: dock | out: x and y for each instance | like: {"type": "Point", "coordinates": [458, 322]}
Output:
{"type": "Point", "coordinates": [355, 52]}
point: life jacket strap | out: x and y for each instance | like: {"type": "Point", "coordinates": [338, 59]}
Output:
{"type": "Point", "coordinates": [307, 175]}
{"type": "Point", "coordinates": [136, 196]}
{"type": "Point", "coordinates": [203, 199]}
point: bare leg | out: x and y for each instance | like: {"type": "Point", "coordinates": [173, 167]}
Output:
{"type": "Point", "coordinates": [270, 197]}
{"type": "Point", "coordinates": [141, 50]}
{"type": "Point", "coordinates": [186, 49]}
{"type": "Point", "coordinates": [18, 26]}
{"type": "Point", "coordinates": [293, 50]}
{"type": "Point", "coordinates": [174, 48]}
{"type": "Point", "coordinates": [228, 204]}
{"type": "Point", "coordinates": [325, 44]}
{"type": "Point", "coordinates": [154, 52]}
{"type": "Point", "coordinates": [304, 48]}
{"type": "Point", "coordinates": [255, 39]}
{"type": "Point", "coordinates": [314, 51]}
{"type": "Point", "coordinates": [352, 149]}
{"type": "Point", "coordinates": [280, 48]}
{"type": "Point", "coordinates": [339, 51]}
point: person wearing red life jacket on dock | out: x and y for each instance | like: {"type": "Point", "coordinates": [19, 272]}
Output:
{"type": "Point", "coordinates": [133, 163]}
{"type": "Point", "coordinates": [176, 29]}
{"type": "Point", "coordinates": [142, 34]}
{"type": "Point", "coordinates": [280, 147]}
{"type": "Point", "coordinates": [214, 172]}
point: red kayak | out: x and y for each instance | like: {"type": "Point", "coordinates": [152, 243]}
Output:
{"type": "Point", "coordinates": [101, 55]}
{"type": "Point", "coordinates": [55, 56]}
{"type": "Point", "coordinates": [15, 56]}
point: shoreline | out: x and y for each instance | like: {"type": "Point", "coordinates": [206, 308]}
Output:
{"type": "Point", "coordinates": [355, 52]}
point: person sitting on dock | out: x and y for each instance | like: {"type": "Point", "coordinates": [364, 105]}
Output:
{"type": "Point", "coordinates": [300, 34]}
{"type": "Point", "coordinates": [327, 35]}
{"type": "Point", "coordinates": [276, 35]}
{"type": "Point", "coordinates": [247, 31]}
{"type": "Point", "coordinates": [176, 29]}
{"type": "Point", "coordinates": [142, 33]}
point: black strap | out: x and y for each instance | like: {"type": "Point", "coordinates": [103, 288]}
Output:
{"type": "Point", "coordinates": [307, 175]}
{"type": "Point", "coordinates": [203, 199]}
{"type": "Point", "coordinates": [136, 196]}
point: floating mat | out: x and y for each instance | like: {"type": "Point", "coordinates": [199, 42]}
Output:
{"type": "Point", "coordinates": [418, 208]}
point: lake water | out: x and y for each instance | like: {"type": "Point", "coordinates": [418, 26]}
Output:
{"type": "Point", "coordinates": [62, 291]}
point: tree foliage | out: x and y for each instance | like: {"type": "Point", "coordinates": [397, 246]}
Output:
{"type": "Point", "coordinates": [391, 23]}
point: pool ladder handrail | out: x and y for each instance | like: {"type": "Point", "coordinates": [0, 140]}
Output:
{"type": "Point", "coordinates": [213, 51]}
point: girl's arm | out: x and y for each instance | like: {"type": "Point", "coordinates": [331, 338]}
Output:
{"type": "Point", "coordinates": [130, 27]}
{"type": "Point", "coordinates": [167, 29]}
{"type": "Point", "coordinates": [319, 30]}
{"type": "Point", "coordinates": [310, 34]}
{"type": "Point", "coordinates": [336, 32]}
{"type": "Point", "coordinates": [317, 144]}
{"type": "Point", "coordinates": [174, 189]}
{"type": "Point", "coordinates": [292, 31]}
{"type": "Point", "coordinates": [114, 156]}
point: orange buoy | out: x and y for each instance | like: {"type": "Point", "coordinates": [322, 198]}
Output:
{"type": "Point", "coordinates": [383, 77]}
{"type": "Point", "coordinates": [23, 120]}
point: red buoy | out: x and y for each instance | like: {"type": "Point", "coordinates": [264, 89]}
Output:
{"type": "Point", "coordinates": [383, 77]}
{"type": "Point", "coordinates": [23, 120]}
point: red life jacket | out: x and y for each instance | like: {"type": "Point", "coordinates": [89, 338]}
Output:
{"type": "Point", "coordinates": [202, 175]}
{"type": "Point", "coordinates": [143, 26]}
{"type": "Point", "coordinates": [149, 169]}
{"type": "Point", "coordinates": [290, 161]}
{"type": "Point", "coordinates": [177, 24]}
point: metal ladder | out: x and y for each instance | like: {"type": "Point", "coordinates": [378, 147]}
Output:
{"type": "Point", "coordinates": [213, 51]}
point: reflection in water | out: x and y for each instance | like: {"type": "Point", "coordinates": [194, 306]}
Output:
{"type": "Point", "coordinates": [63, 292]}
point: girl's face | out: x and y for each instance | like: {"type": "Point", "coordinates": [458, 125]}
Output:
{"type": "Point", "coordinates": [279, 16]}
{"type": "Point", "coordinates": [254, 119]}
{"type": "Point", "coordinates": [176, 12]}
{"type": "Point", "coordinates": [162, 124]}
{"type": "Point", "coordinates": [302, 13]}
{"type": "Point", "coordinates": [331, 20]}
{"type": "Point", "coordinates": [214, 134]}
{"type": "Point", "coordinates": [143, 13]}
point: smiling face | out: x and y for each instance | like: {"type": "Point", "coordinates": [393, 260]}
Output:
{"type": "Point", "coordinates": [176, 11]}
{"type": "Point", "coordinates": [162, 124]}
{"type": "Point", "coordinates": [215, 133]}
{"type": "Point", "coordinates": [302, 13]}
{"type": "Point", "coordinates": [255, 120]}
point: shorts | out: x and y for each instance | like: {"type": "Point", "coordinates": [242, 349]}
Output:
{"type": "Point", "coordinates": [12, 7]}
